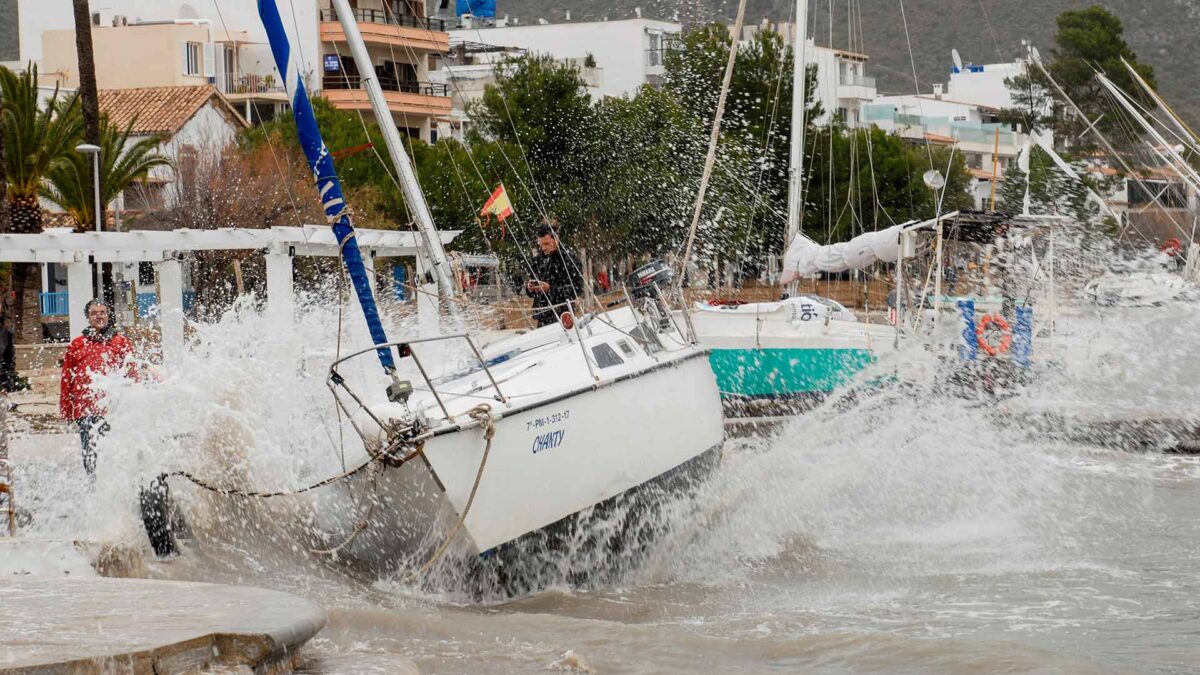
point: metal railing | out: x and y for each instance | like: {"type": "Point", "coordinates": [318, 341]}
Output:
{"type": "Point", "coordinates": [54, 304]}
{"type": "Point", "coordinates": [858, 81]}
{"type": "Point", "coordinates": [404, 349]}
{"type": "Point", "coordinates": [387, 84]}
{"type": "Point", "coordinates": [389, 18]}
{"type": "Point", "coordinates": [250, 83]}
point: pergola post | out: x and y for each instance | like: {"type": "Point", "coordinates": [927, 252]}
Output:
{"type": "Point", "coordinates": [170, 310]}
{"type": "Point", "coordinates": [369, 260]}
{"type": "Point", "coordinates": [79, 291]}
{"type": "Point", "coordinates": [427, 301]}
{"type": "Point", "coordinates": [280, 295]}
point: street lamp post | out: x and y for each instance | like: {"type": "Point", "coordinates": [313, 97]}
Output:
{"type": "Point", "coordinates": [94, 151]}
{"type": "Point", "coordinates": [936, 183]}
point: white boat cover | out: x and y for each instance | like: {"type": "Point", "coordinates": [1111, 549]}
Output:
{"type": "Point", "coordinates": [805, 256]}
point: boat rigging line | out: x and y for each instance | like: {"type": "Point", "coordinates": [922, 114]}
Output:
{"type": "Point", "coordinates": [711, 157]}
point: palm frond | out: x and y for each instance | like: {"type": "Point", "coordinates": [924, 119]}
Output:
{"type": "Point", "coordinates": [122, 164]}
{"type": "Point", "coordinates": [37, 136]}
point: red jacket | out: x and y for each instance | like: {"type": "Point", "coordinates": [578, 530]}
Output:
{"type": "Point", "coordinates": [84, 357]}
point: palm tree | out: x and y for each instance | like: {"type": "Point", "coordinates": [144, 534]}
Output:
{"type": "Point", "coordinates": [37, 138]}
{"type": "Point", "coordinates": [69, 184]}
{"type": "Point", "coordinates": [89, 97]}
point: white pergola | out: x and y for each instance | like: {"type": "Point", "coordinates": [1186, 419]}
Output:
{"type": "Point", "coordinates": [79, 252]}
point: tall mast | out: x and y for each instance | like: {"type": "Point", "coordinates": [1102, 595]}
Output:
{"type": "Point", "coordinates": [328, 186]}
{"type": "Point", "coordinates": [1188, 136]}
{"type": "Point", "coordinates": [1168, 152]}
{"type": "Point", "coordinates": [391, 135]}
{"type": "Point", "coordinates": [796, 160]}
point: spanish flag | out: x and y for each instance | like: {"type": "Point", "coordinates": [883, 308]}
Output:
{"type": "Point", "coordinates": [498, 205]}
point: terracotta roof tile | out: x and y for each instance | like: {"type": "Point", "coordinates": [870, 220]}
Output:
{"type": "Point", "coordinates": [158, 110]}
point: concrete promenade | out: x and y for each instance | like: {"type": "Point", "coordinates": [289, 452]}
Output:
{"type": "Point", "coordinates": [94, 625]}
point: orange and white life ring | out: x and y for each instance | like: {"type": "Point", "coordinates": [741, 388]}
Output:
{"type": "Point", "coordinates": [981, 335]}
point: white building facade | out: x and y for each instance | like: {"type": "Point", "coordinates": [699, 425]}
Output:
{"type": "Point", "coordinates": [627, 53]}
{"type": "Point", "coordinates": [843, 86]}
{"type": "Point", "coordinates": [231, 51]}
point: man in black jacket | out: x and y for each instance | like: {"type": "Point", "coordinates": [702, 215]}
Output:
{"type": "Point", "coordinates": [556, 278]}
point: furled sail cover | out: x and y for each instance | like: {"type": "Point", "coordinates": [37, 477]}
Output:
{"type": "Point", "coordinates": [805, 256]}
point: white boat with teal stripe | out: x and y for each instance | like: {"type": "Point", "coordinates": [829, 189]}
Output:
{"type": "Point", "coordinates": [798, 348]}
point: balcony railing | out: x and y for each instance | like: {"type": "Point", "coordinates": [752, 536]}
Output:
{"type": "Point", "coordinates": [387, 84]}
{"type": "Point", "coordinates": [858, 81]}
{"type": "Point", "coordinates": [246, 83]}
{"type": "Point", "coordinates": [390, 18]}
{"type": "Point", "coordinates": [54, 304]}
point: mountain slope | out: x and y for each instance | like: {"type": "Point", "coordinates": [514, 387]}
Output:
{"type": "Point", "coordinates": [1163, 33]}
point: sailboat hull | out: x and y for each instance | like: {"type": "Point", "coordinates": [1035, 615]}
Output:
{"type": "Point", "coordinates": [774, 354]}
{"type": "Point", "coordinates": [751, 372]}
{"type": "Point", "coordinates": [547, 462]}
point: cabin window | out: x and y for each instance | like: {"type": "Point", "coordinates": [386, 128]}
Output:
{"type": "Point", "coordinates": [606, 356]}
{"type": "Point", "coordinates": [625, 347]}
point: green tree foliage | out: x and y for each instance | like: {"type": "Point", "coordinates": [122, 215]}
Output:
{"type": "Point", "coordinates": [1033, 103]}
{"type": "Point", "coordinates": [875, 180]}
{"type": "Point", "coordinates": [122, 164]}
{"type": "Point", "coordinates": [646, 192]}
{"type": "Point", "coordinates": [621, 175]}
{"type": "Point", "coordinates": [1051, 192]}
{"type": "Point", "coordinates": [37, 138]}
{"type": "Point", "coordinates": [1088, 40]}
{"type": "Point", "coordinates": [748, 197]}
{"type": "Point", "coordinates": [371, 191]}
{"type": "Point", "coordinates": [542, 109]}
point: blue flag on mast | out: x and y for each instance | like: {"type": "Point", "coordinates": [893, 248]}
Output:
{"type": "Point", "coordinates": [328, 186]}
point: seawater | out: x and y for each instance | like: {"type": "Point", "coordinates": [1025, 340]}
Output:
{"type": "Point", "coordinates": [904, 529]}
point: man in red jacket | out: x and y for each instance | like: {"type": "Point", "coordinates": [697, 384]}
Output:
{"type": "Point", "coordinates": [100, 350]}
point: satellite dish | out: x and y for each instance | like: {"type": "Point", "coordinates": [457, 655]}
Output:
{"type": "Point", "coordinates": [957, 60]}
{"type": "Point", "coordinates": [933, 179]}
{"type": "Point", "coordinates": [186, 11]}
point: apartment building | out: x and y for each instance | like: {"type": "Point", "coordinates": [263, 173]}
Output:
{"type": "Point", "coordinates": [404, 46]}
{"type": "Point", "coordinates": [140, 43]}
{"type": "Point", "coordinates": [621, 55]}
{"type": "Point", "coordinates": [843, 86]}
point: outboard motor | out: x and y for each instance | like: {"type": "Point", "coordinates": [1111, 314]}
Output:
{"type": "Point", "coordinates": [648, 280]}
{"type": "Point", "coordinates": [648, 286]}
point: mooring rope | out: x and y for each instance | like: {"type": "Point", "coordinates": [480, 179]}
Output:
{"type": "Point", "coordinates": [257, 494]}
{"type": "Point", "coordinates": [361, 524]}
{"type": "Point", "coordinates": [482, 414]}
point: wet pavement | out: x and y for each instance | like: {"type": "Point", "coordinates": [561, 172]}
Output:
{"type": "Point", "coordinates": [135, 625]}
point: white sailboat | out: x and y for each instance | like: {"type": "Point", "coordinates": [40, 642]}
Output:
{"type": "Point", "coordinates": [505, 440]}
{"type": "Point", "coordinates": [799, 347]}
